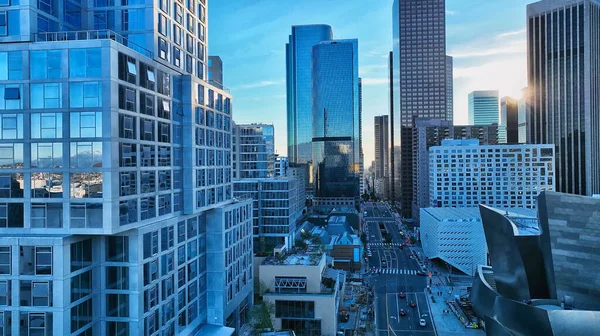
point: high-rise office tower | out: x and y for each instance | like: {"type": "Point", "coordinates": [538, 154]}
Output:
{"type": "Point", "coordinates": [509, 119]}
{"type": "Point", "coordinates": [107, 227]}
{"type": "Point", "coordinates": [299, 89]}
{"type": "Point", "coordinates": [381, 146]}
{"type": "Point", "coordinates": [483, 107]}
{"type": "Point", "coordinates": [563, 66]}
{"type": "Point", "coordinates": [361, 165]}
{"type": "Point", "coordinates": [393, 151]}
{"type": "Point", "coordinates": [336, 135]}
{"type": "Point", "coordinates": [419, 83]}
{"type": "Point", "coordinates": [450, 88]}
{"type": "Point", "coordinates": [215, 70]}
{"type": "Point", "coordinates": [523, 111]}
{"type": "Point", "coordinates": [253, 151]}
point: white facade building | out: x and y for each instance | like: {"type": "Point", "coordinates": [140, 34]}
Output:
{"type": "Point", "coordinates": [306, 293]}
{"type": "Point", "coordinates": [456, 235]}
{"type": "Point", "coordinates": [276, 209]}
{"type": "Point", "coordinates": [463, 173]}
{"type": "Point", "coordinates": [282, 164]}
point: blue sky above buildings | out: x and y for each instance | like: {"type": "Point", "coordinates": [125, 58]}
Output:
{"type": "Point", "coordinates": [485, 37]}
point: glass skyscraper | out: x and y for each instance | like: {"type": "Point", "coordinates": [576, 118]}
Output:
{"type": "Point", "coordinates": [563, 65]}
{"type": "Point", "coordinates": [484, 107]}
{"type": "Point", "coordinates": [420, 80]}
{"type": "Point", "coordinates": [299, 88]}
{"type": "Point", "coordinates": [116, 211]}
{"type": "Point", "coordinates": [336, 132]}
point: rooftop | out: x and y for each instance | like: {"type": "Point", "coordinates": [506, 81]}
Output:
{"type": "Point", "coordinates": [296, 259]}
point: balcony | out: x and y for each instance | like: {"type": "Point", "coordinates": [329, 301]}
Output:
{"type": "Point", "coordinates": [84, 35]}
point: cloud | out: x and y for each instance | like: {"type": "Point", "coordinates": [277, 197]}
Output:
{"type": "Point", "coordinates": [451, 12]}
{"type": "Point", "coordinates": [375, 81]}
{"type": "Point", "coordinates": [260, 84]}
{"type": "Point", "coordinates": [513, 47]}
{"type": "Point", "coordinates": [365, 69]}
{"type": "Point", "coordinates": [511, 33]}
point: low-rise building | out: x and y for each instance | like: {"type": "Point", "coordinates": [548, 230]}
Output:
{"type": "Point", "coordinates": [455, 235]}
{"type": "Point", "coordinates": [307, 295]}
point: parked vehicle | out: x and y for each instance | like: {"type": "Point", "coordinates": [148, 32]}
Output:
{"type": "Point", "coordinates": [422, 323]}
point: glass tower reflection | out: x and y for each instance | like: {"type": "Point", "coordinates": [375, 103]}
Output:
{"type": "Point", "coordinates": [336, 134]}
{"type": "Point", "coordinates": [299, 88]}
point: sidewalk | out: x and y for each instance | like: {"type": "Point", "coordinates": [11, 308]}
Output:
{"type": "Point", "coordinates": [447, 324]}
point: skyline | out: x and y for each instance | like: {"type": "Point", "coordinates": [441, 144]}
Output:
{"type": "Point", "coordinates": [255, 70]}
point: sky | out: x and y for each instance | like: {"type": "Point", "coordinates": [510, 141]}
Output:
{"type": "Point", "coordinates": [485, 37]}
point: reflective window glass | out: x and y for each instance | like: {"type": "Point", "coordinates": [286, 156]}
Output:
{"type": "Point", "coordinates": [85, 63]}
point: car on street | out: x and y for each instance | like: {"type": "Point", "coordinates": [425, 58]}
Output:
{"type": "Point", "coordinates": [412, 304]}
{"type": "Point", "coordinates": [422, 323]}
{"type": "Point", "coordinates": [421, 273]}
{"type": "Point", "coordinates": [402, 312]}
{"type": "Point", "coordinates": [401, 295]}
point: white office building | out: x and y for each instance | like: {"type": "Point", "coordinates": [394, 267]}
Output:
{"type": "Point", "coordinates": [276, 209]}
{"type": "Point", "coordinates": [282, 164]}
{"type": "Point", "coordinates": [463, 173]}
{"type": "Point", "coordinates": [456, 236]}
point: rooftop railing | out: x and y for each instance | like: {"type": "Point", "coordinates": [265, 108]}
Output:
{"type": "Point", "coordinates": [84, 35]}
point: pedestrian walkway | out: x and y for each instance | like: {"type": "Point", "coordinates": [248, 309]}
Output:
{"type": "Point", "coordinates": [384, 244]}
{"type": "Point", "coordinates": [395, 271]}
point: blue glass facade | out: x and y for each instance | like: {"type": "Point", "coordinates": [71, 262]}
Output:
{"type": "Point", "coordinates": [299, 88]}
{"type": "Point", "coordinates": [336, 120]}
{"type": "Point", "coordinates": [484, 107]}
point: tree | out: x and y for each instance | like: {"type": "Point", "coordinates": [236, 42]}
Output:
{"type": "Point", "coordinates": [301, 244]}
{"type": "Point", "coordinates": [260, 316]}
{"type": "Point", "coordinates": [365, 197]}
{"type": "Point", "coordinates": [363, 238]}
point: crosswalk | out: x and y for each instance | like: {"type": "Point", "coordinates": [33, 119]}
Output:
{"type": "Point", "coordinates": [395, 271]}
{"type": "Point", "coordinates": [384, 244]}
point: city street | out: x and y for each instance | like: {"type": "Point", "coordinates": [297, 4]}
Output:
{"type": "Point", "coordinates": [398, 275]}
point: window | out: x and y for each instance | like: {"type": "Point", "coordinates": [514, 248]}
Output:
{"type": "Point", "coordinates": [86, 215]}
{"type": "Point", "coordinates": [148, 181]}
{"type": "Point", "coordinates": [46, 215]}
{"type": "Point", "coordinates": [11, 64]}
{"type": "Point", "coordinates": [40, 294]}
{"type": "Point", "coordinates": [43, 260]}
{"type": "Point", "coordinates": [46, 185]}
{"type": "Point", "coordinates": [147, 207]}
{"type": "Point", "coordinates": [12, 93]}
{"type": "Point", "coordinates": [146, 104]}
{"type": "Point", "coordinates": [46, 126]}
{"type": "Point", "coordinates": [189, 64]}
{"type": "Point", "coordinates": [164, 130]}
{"type": "Point", "coordinates": [127, 98]}
{"type": "Point", "coordinates": [147, 79]}
{"type": "Point", "coordinates": [163, 47]}
{"type": "Point", "coordinates": [5, 295]}
{"type": "Point", "coordinates": [163, 25]}
{"type": "Point", "coordinates": [85, 63]}
{"type": "Point", "coordinates": [86, 124]}
{"type": "Point", "coordinates": [117, 248]}
{"type": "Point", "coordinates": [11, 215]}
{"type": "Point", "coordinates": [164, 83]}
{"type": "Point", "coordinates": [118, 305]}
{"type": "Point", "coordinates": [128, 183]}
{"type": "Point", "coordinates": [5, 260]}
{"type": "Point", "coordinates": [127, 68]}
{"type": "Point", "coordinates": [37, 324]}
{"type": "Point", "coordinates": [11, 126]}
{"type": "Point", "coordinates": [117, 277]}
{"type": "Point", "coordinates": [164, 109]}
{"type": "Point", "coordinates": [47, 155]}
{"type": "Point", "coordinates": [176, 57]}
{"type": "Point", "coordinates": [128, 211]}
{"type": "Point", "coordinates": [86, 185]}
{"type": "Point", "coordinates": [48, 6]}
{"type": "Point", "coordinates": [3, 23]}
{"type": "Point", "coordinates": [10, 97]}
{"type": "Point", "coordinates": [164, 156]}
{"type": "Point", "coordinates": [164, 204]}
{"type": "Point", "coordinates": [146, 129]}
{"type": "Point", "coordinates": [86, 154]}
{"type": "Point", "coordinates": [128, 155]}
{"type": "Point", "coordinates": [45, 64]}
{"type": "Point", "coordinates": [148, 155]}
{"type": "Point", "coordinates": [85, 94]}
{"type": "Point", "coordinates": [81, 254]}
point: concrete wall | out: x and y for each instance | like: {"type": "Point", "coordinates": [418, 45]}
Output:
{"type": "Point", "coordinates": [267, 274]}
{"type": "Point", "coordinates": [574, 224]}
